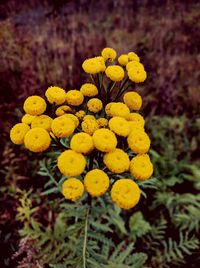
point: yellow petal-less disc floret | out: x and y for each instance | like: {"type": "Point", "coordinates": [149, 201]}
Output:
{"type": "Point", "coordinates": [89, 126]}
{"type": "Point", "coordinates": [104, 140]}
{"type": "Point", "coordinates": [141, 167]}
{"type": "Point", "coordinates": [96, 182]}
{"type": "Point", "coordinates": [123, 59]}
{"type": "Point", "coordinates": [133, 100]}
{"type": "Point", "coordinates": [62, 126]}
{"type": "Point", "coordinates": [73, 118]}
{"type": "Point", "coordinates": [82, 143]}
{"type": "Point", "coordinates": [132, 56]}
{"type": "Point", "coordinates": [43, 121]}
{"type": "Point", "coordinates": [94, 65]}
{"type": "Point", "coordinates": [133, 125]}
{"type": "Point", "coordinates": [74, 97]}
{"type": "Point", "coordinates": [108, 107]}
{"type": "Point", "coordinates": [119, 126]}
{"type": "Point", "coordinates": [125, 193]}
{"type": "Point", "coordinates": [55, 95]}
{"type": "Point", "coordinates": [134, 64]}
{"type": "Point", "coordinates": [137, 75]}
{"type": "Point", "coordinates": [80, 114]}
{"type": "Point", "coordinates": [71, 163]}
{"type": "Point", "coordinates": [102, 122]}
{"type": "Point", "coordinates": [138, 141]}
{"type": "Point", "coordinates": [72, 189]}
{"type": "Point", "coordinates": [18, 132]}
{"type": "Point", "coordinates": [109, 54]}
{"type": "Point", "coordinates": [28, 118]}
{"type": "Point", "coordinates": [117, 161]}
{"type": "Point", "coordinates": [37, 140]}
{"type": "Point", "coordinates": [119, 109]}
{"type": "Point", "coordinates": [63, 110]}
{"type": "Point", "coordinates": [95, 105]}
{"type": "Point", "coordinates": [89, 90]}
{"type": "Point", "coordinates": [35, 105]}
{"type": "Point", "coordinates": [137, 118]}
{"type": "Point", "coordinates": [115, 73]}
{"type": "Point", "coordinates": [89, 116]}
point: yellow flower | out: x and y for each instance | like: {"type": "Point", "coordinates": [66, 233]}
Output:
{"type": "Point", "coordinates": [109, 54]}
{"type": "Point", "coordinates": [94, 65]}
{"type": "Point", "coordinates": [18, 132]}
{"type": "Point", "coordinates": [134, 125]}
{"type": "Point", "coordinates": [55, 95]}
{"type": "Point", "coordinates": [115, 73]}
{"type": "Point", "coordinates": [28, 118]}
{"type": "Point", "coordinates": [134, 64]}
{"type": "Point", "coordinates": [73, 118]}
{"type": "Point", "coordinates": [133, 100]}
{"type": "Point", "coordinates": [119, 109]}
{"type": "Point", "coordinates": [71, 163]}
{"type": "Point", "coordinates": [74, 97]}
{"type": "Point", "coordinates": [95, 105]}
{"type": "Point", "coordinates": [42, 121]}
{"type": "Point", "coordinates": [89, 116]}
{"type": "Point", "coordinates": [141, 167]}
{"type": "Point", "coordinates": [80, 114]}
{"type": "Point", "coordinates": [63, 109]}
{"type": "Point", "coordinates": [37, 140]}
{"type": "Point", "coordinates": [138, 141]}
{"type": "Point", "coordinates": [133, 57]}
{"type": "Point", "coordinates": [82, 143]}
{"type": "Point", "coordinates": [62, 126]}
{"type": "Point", "coordinates": [72, 189]}
{"type": "Point", "coordinates": [96, 182]}
{"type": "Point", "coordinates": [104, 140]}
{"type": "Point", "coordinates": [89, 90]}
{"type": "Point", "coordinates": [108, 107]}
{"type": "Point", "coordinates": [117, 161]}
{"type": "Point", "coordinates": [89, 126]}
{"type": "Point", "coordinates": [125, 193]}
{"type": "Point", "coordinates": [137, 118]}
{"type": "Point", "coordinates": [137, 75]}
{"type": "Point", "coordinates": [102, 122]}
{"type": "Point", "coordinates": [123, 59]}
{"type": "Point", "coordinates": [34, 105]}
{"type": "Point", "coordinates": [119, 125]}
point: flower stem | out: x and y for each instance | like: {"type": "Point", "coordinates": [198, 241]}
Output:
{"type": "Point", "coordinates": [85, 237]}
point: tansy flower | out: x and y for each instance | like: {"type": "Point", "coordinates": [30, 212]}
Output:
{"type": "Point", "coordinates": [133, 100]}
{"type": "Point", "coordinates": [133, 57]}
{"type": "Point", "coordinates": [137, 75]}
{"type": "Point", "coordinates": [89, 116]}
{"type": "Point", "coordinates": [141, 167]}
{"type": "Point", "coordinates": [63, 109]}
{"type": "Point", "coordinates": [37, 140]}
{"type": "Point", "coordinates": [107, 108]}
{"type": "Point", "coordinates": [104, 140]}
{"type": "Point", "coordinates": [115, 73]}
{"type": "Point", "coordinates": [138, 141]}
{"type": "Point", "coordinates": [123, 59]}
{"type": "Point", "coordinates": [43, 121]}
{"type": "Point", "coordinates": [80, 114]}
{"type": "Point", "coordinates": [117, 161]}
{"type": "Point", "coordinates": [18, 132]}
{"type": "Point", "coordinates": [94, 65]}
{"type": "Point", "coordinates": [95, 105]}
{"type": "Point", "coordinates": [62, 126]}
{"type": "Point", "coordinates": [71, 163]}
{"type": "Point", "coordinates": [119, 125]}
{"type": "Point", "coordinates": [119, 109]}
{"type": "Point", "coordinates": [102, 122]}
{"type": "Point", "coordinates": [74, 97]}
{"type": "Point", "coordinates": [109, 54]}
{"type": "Point", "coordinates": [96, 182]}
{"type": "Point", "coordinates": [137, 118]}
{"type": "Point", "coordinates": [82, 143]}
{"type": "Point", "coordinates": [72, 189]}
{"type": "Point", "coordinates": [125, 193]}
{"type": "Point", "coordinates": [89, 90]}
{"type": "Point", "coordinates": [73, 118]}
{"type": "Point", "coordinates": [28, 118]}
{"type": "Point", "coordinates": [35, 105]}
{"type": "Point", "coordinates": [89, 126]}
{"type": "Point", "coordinates": [134, 125]}
{"type": "Point", "coordinates": [55, 95]}
{"type": "Point", "coordinates": [134, 64]}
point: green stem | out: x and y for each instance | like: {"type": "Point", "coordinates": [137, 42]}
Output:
{"type": "Point", "coordinates": [119, 94]}
{"type": "Point", "coordinates": [92, 78]}
{"type": "Point", "coordinates": [121, 88]}
{"type": "Point", "coordinates": [85, 237]}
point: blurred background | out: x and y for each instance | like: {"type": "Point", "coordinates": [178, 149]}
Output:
{"type": "Point", "coordinates": [44, 43]}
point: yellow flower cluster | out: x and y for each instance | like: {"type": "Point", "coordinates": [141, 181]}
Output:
{"type": "Point", "coordinates": [100, 126]}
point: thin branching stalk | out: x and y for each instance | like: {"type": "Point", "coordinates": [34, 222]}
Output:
{"type": "Point", "coordinates": [85, 237]}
